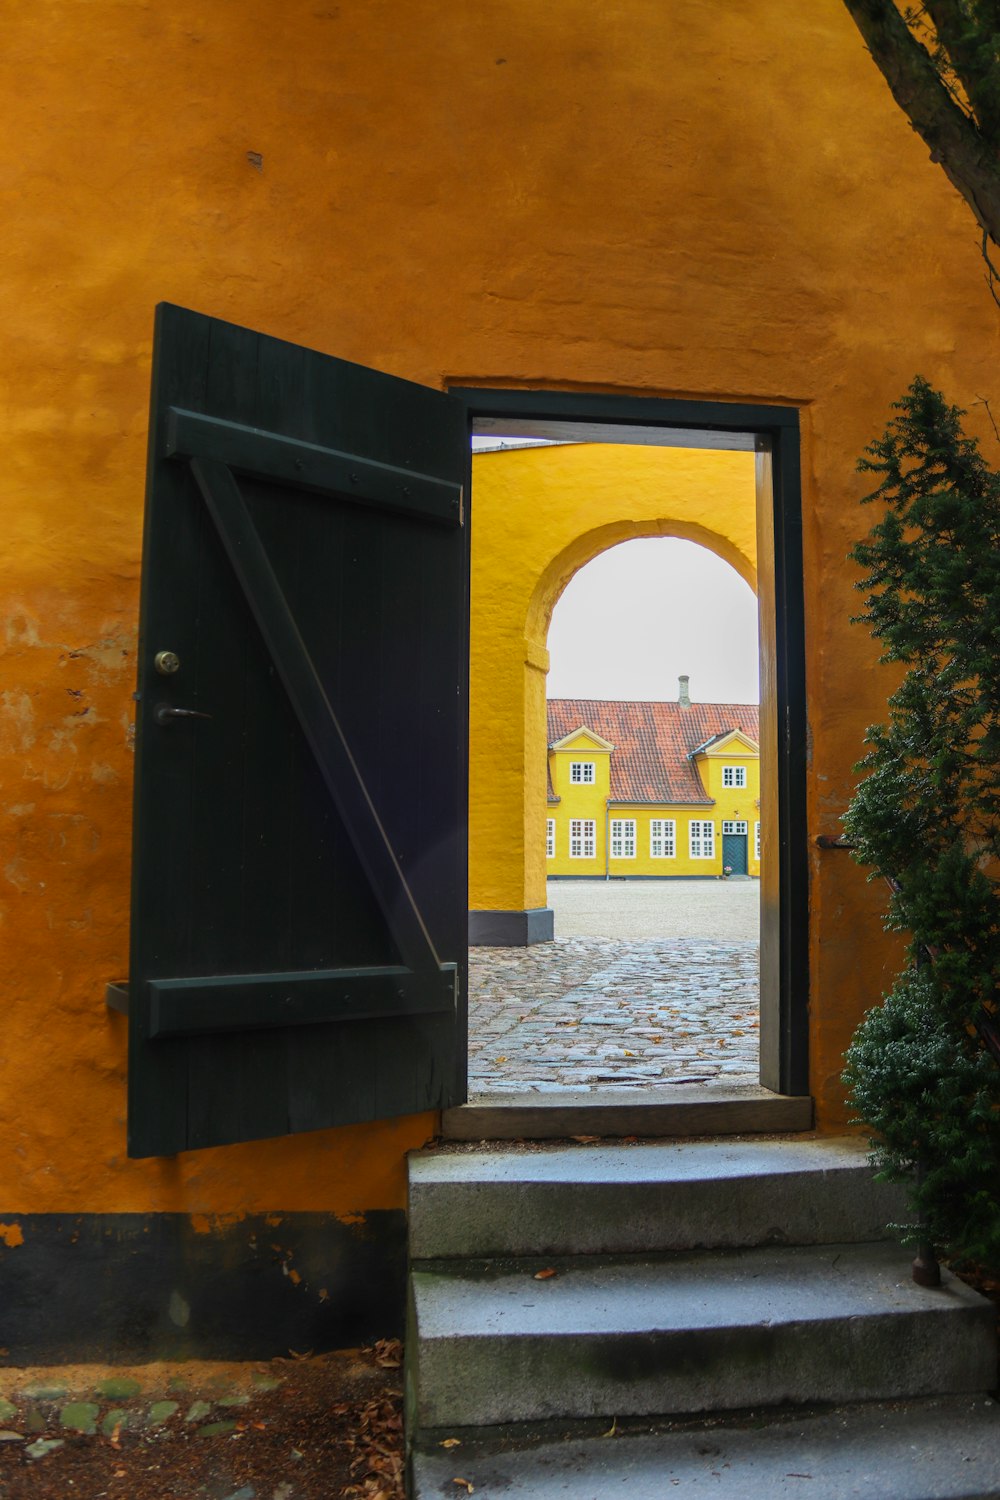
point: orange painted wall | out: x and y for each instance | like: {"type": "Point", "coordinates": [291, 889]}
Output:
{"type": "Point", "coordinates": [681, 199]}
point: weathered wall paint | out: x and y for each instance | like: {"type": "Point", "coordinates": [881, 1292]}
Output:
{"type": "Point", "coordinates": [694, 200]}
{"type": "Point", "coordinates": [539, 515]}
{"type": "Point", "coordinates": [123, 1286]}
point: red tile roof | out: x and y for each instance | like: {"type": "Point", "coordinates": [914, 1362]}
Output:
{"type": "Point", "coordinates": [652, 741]}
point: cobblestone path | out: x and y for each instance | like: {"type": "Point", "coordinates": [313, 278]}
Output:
{"type": "Point", "coordinates": [592, 1013]}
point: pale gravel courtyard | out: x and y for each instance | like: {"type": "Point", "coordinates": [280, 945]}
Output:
{"type": "Point", "coordinates": [647, 983]}
{"type": "Point", "coordinates": [727, 910]}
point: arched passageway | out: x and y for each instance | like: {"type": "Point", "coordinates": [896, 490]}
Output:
{"type": "Point", "coordinates": [541, 514]}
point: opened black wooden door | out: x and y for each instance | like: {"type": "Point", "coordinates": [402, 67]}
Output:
{"type": "Point", "coordinates": [299, 870]}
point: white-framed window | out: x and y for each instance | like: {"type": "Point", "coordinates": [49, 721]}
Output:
{"type": "Point", "coordinates": [662, 838]}
{"type": "Point", "coordinates": [756, 841]}
{"type": "Point", "coordinates": [623, 838]}
{"type": "Point", "coordinates": [550, 838]}
{"type": "Point", "coordinates": [734, 776]}
{"type": "Point", "coordinates": [582, 772]}
{"type": "Point", "coordinates": [582, 838]}
{"type": "Point", "coordinates": [733, 825]}
{"type": "Point", "coordinates": [701, 835]}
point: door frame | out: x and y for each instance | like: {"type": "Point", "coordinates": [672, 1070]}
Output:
{"type": "Point", "coordinates": [772, 432]}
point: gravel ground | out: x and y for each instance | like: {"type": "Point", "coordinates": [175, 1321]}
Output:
{"type": "Point", "coordinates": [727, 910]}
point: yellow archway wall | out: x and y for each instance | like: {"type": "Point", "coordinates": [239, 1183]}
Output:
{"type": "Point", "coordinates": [538, 516]}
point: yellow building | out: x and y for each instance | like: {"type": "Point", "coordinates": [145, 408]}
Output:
{"type": "Point", "coordinates": [652, 790]}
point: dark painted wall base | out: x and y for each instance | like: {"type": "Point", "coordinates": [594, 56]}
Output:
{"type": "Point", "coordinates": [511, 929]}
{"type": "Point", "coordinates": [134, 1287]}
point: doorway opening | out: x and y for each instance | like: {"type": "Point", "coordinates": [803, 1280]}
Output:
{"type": "Point", "coordinates": [765, 439]}
{"type": "Point", "coordinates": [652, 831]}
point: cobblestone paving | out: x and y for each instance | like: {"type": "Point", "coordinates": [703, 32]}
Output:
{"type": "Point", "coordinates": [596, 1013]}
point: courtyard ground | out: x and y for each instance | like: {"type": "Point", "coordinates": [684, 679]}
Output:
{"type": "Point", "coordinates": [723, 910]}
{"type": "Point", "coordinates": [647, 983]}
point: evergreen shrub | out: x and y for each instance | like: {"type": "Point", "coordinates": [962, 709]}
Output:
{"type": "Point", "coordinates": [923, 1069]}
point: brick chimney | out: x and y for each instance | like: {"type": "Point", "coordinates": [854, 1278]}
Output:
{"type": "Point", "coordinates": [682, 697]}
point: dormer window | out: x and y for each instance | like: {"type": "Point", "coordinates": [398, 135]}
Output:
{"type": "Point", "coordinates": [582, 772]}
{"type": "Point", "coordinates": [734, 776]}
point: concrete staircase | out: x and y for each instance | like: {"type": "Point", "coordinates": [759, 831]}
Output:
{"type": "Point", "coordinates": [660, 1319]}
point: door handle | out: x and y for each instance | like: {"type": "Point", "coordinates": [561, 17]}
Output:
{"type": "Point", "coordinates": [163, 713]}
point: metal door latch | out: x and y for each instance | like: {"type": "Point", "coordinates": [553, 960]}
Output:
{"type": "Point", "coordinates": [163, 713]}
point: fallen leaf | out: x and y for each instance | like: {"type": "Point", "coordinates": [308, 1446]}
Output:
{"type": "Point", "coordinates": [585, 1139]}
{"type": "Point", "coordinates": [468, 1486]}
{"type": "Point", "coordinates": [544, 1275]}
{"type": "Point", "coordinates": [116, 1435]}
{"type": "Point", "coordinates": [612, 1429]}
{"type": "Point", "coordinates": [450, 1443]}
{"type": "Point", "coordinates": [296, 1355]}
{"type": "Point", "coordinates": [501, 1059]}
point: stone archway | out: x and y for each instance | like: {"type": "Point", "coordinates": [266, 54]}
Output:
{"type": "Point", "coordinates": [539, 515]}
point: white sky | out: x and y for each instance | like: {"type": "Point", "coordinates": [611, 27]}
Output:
{"type": "Point", "coordinates": [643, 612]}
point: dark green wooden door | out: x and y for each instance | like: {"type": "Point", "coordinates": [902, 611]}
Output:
{"type": "Point", "coordinates": [734, 851]}
{"type": "Point", "coordinates": [299, 874]}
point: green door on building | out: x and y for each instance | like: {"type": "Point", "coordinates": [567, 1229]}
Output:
{"type": "Point", "coordinates": [734, 847]}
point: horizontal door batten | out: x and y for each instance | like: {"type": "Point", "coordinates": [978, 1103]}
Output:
{"type": "Point", "coordinates": [311, 997]}
{"type": "Point", "coordinates": [269, 455]}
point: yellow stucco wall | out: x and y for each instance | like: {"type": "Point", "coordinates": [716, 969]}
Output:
{"type": "Point", "coordinates": [683, 200]}
{"type": "Point", "coordinates": [590, 803]}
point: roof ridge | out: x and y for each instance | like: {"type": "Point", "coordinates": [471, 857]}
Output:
{"type": "Point", "coordinates": [664, 702]}
{"type": "Point", "coordinates": [653, 740]}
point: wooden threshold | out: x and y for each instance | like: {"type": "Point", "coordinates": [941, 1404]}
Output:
{"type": "Point", "coordinates": [685, 1110]}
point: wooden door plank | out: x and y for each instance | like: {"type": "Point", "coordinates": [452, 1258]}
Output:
{"type": "Point", "coordinates": [310, 466]}
{"type": "Point", "coordinates": [314, 711]}
{"type": "Point", "coordinates": [234, 848]}
{"type": "Point", "coordinates": [164, 843]}
{"type": "Point", "coordinates": [208, 1003]}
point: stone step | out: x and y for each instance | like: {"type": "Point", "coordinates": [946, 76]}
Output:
{"type": "Point", "coordinates": [607, 1198]}
{"type": "Point", "coordinates": [488, 1343]}
{"type": "Point", "coordinates": [937, 1449]}
{"type": "Point", "coordinates": [667, 1110]}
